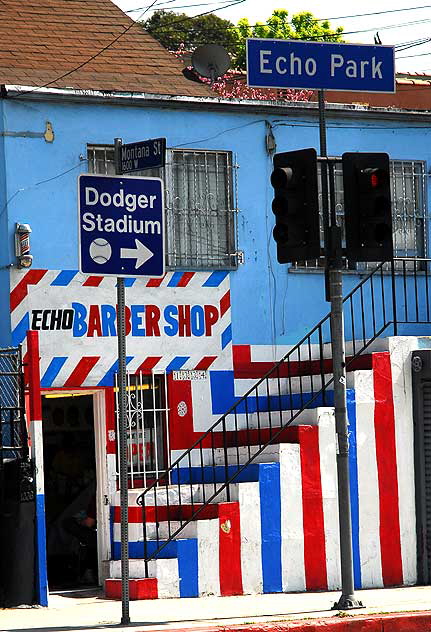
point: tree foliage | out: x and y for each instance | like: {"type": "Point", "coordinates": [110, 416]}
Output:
{"type": "Point", "coordinates": [302, 26]}
{"type": "Point", "coordinates": [174, 30]}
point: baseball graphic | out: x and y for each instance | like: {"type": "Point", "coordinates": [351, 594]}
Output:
{"type": "Point", "coordinates": [100, 250]}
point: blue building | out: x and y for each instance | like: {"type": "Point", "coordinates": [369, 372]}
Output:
{"type": "Point", "coordinates": [224, 301]}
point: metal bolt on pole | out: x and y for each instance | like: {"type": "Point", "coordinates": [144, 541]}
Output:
{"type": "Point", "coordinates": [124, 499]}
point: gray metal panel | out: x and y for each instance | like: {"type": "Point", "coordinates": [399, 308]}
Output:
{"type": "Point", "coordinates": [421, 379]}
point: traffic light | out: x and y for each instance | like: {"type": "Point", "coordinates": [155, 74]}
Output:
{"type": "Point", "coordinates": [367, 207]}
{"type": "Point", "coordinates": [295, 205]}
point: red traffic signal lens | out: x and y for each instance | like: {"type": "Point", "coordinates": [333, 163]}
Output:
{"type": "Point", "coordinates": [376, 177]}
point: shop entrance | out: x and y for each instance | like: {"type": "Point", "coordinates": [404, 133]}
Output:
{"type": "Point", "coordinates": [70, 488]}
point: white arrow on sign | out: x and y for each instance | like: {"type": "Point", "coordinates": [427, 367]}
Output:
{"type": "Point", "coordinates": [141, 253]}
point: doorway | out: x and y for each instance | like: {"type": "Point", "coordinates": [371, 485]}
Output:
{"type": "Point", "coordinates": [70, 489]}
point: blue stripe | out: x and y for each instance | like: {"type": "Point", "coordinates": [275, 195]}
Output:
{"type": "Point", "coordinates": [41, 566]}
{"type": "Point", "coordinates": [270, 520]}
{"type": "Point", "coordinates": [20, 331]}
{"type": "Point", "coordinates": [354, 487]}
{"type": "Point", "coordinates": [226, 336]}
{"type": "Point", "coordinates": [223, 397]}
{"type": "Point", "coordinates": [129, 282]}
{"type": "Point", "coordinates": [216, 278]}
{"type": "Point", "coordinates": [136, 550]}
{"type": "Point", "coordinates": [215, 474]}
{"type": "Point", "coordinates": [64, 277]}
{"type": "Point", "coordinates": [175, 279]}
{"type": "Point", "coordinates": [52, 371]}
{"type": "Point", "coordinates": [188, 567]}
{"type": "Point", "coordinates": [108, 378]}
{"type": "Point", "coordinates": [176, 363]}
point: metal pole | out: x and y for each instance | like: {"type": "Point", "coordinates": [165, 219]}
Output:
{"type": "Point", "coordinates": [347, 600]}
{"type": "Point", "coordinates": [122, 423]}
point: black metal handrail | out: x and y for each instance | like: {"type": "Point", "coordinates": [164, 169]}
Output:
{"type": "Point", "coordinates": [261, 415]}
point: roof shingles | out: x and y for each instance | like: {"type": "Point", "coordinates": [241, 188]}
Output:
{"type": "Point", "coordinates": [40, 40]}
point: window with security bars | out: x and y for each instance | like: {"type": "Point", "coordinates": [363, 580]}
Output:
{"type": "Point", "coordinates": [200, 205]}
{"type": "Point", "coordinates": [409, 210]}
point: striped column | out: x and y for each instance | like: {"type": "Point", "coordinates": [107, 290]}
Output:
{"type": "Point", "coordinates": [35, 419]}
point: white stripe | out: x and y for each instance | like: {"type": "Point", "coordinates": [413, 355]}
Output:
{"type": "Point", "coordinates": [292, 527]}
{"type": "Point", "coordinates": [251, 541]}
{"type": "Point", "coordinates": [37, 454]}
{"type": "Point", "coordinates": [208, 557]}
{"type": "Point", "coordinates": [369, 509]}
{"type": "Point", "coordinates": [168, 581]}
{"type": "Point", "coordinates": [400, 350]}
{"type": "Point", "coordinates": [328, 473]}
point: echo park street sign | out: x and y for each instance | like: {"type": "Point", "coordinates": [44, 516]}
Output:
{"type": "Point", "coordinates": [275, 63]}
{"type": "Point", "coordinates": [145, 154]}
{"type": "Point", "coordinates": [121, 226]}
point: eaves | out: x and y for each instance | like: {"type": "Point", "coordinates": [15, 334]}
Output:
{"type": "Point", "coordinates": [267, 108]}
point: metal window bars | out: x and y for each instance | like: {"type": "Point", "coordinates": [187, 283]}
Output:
{"type": "Point", "coordinates": [147, 417]}
{"type": "Point", "coordinates": [409, 210]}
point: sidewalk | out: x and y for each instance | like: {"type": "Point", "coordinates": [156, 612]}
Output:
{"type": "Point", "coordinates": [308, 612]}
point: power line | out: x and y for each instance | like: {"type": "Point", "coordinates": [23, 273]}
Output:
{"type": "Point", "coordinates": [185, 6]}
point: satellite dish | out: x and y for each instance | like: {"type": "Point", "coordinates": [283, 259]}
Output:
{"type": "Point", "coordinates": [211, 60]}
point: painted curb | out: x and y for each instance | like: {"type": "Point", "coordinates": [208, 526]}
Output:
{"type": "Point", "coordinates": [400, 622]}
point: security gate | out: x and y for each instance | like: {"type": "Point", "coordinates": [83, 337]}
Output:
{"type": "Point", "coordinates": [17, 490]}
{"type": "Point", "coordinates": [147, 420]}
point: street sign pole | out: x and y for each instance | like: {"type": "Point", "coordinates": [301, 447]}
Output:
{"type": "Point", "coordinates": [122, 424]}
{"type": "Point", "coordinates": [334, 294]}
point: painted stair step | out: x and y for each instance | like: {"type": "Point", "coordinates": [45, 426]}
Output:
{"type": "Point", "coordinates": [174, 513]}
{"type": "Point", "coordinates": [298, 364]}
{"type": "Point", "coordinates": [165, 571]}
{"type": "Point", "coordinates": [175, 495]}
{"type": "Point", "coordinates": [219, 474]}
{"type": "Point", "coordinates": [138, 588]}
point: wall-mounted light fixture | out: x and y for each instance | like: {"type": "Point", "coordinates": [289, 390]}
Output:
{"type": "Point", "coordinates": [22, 245]}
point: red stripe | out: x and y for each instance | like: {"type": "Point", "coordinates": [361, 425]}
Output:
{"type": "Point", "coordinates": [185, 279]}
{"type": "Point", "coordinates": [171, 512]}
{"type": "Point", "coordinates": [230, 550]}
{"type": "Point", "coordinates": [205, 363]}
{"type": "Point", "coordinates": [181, 433]}
{"type": "Point", "coordinates": [148, 364]}
{"type": "Point", "coordinates": [32, 354]}
{"type": "Point", "coordinates": [225, 303]}
{"type": "Point", "coordinates": [93, 281]}
{"type": "Point", "coordinates": [246, 369]}
{"type": "Point", "coordinates": [81, 371]}
{"type": "Point", "coordinates": [155, 282]}
{"type": "Point", "coordinates": [384, 427]}
{"type": "Point", "coordinates": [312, 506]}
{"type": "Point", "coordinates": [20, 291]}
{"type": "Point", "coordinates": [111, 444]}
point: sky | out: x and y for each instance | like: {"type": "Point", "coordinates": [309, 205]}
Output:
{"type": "Point", "coordinates": [401, 23]}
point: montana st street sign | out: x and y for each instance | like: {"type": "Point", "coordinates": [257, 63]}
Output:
{"type": "Point", "coordinates": [121, 226]}
{"type": "Point", "coordinates": [145, 154]}
{"type": "Point", "coordinates": [320, 66]}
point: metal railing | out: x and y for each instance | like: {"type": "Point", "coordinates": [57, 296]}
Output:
{"type": "Point", "coordinates": [14, 449]}
{"type": "Point", "coordinates": [381, 303]}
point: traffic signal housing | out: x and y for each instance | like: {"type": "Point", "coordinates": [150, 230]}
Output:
{"type": "Point", "coordinates": [296, 205]}
{"type": "Point", "coordinates": [367, 206]}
